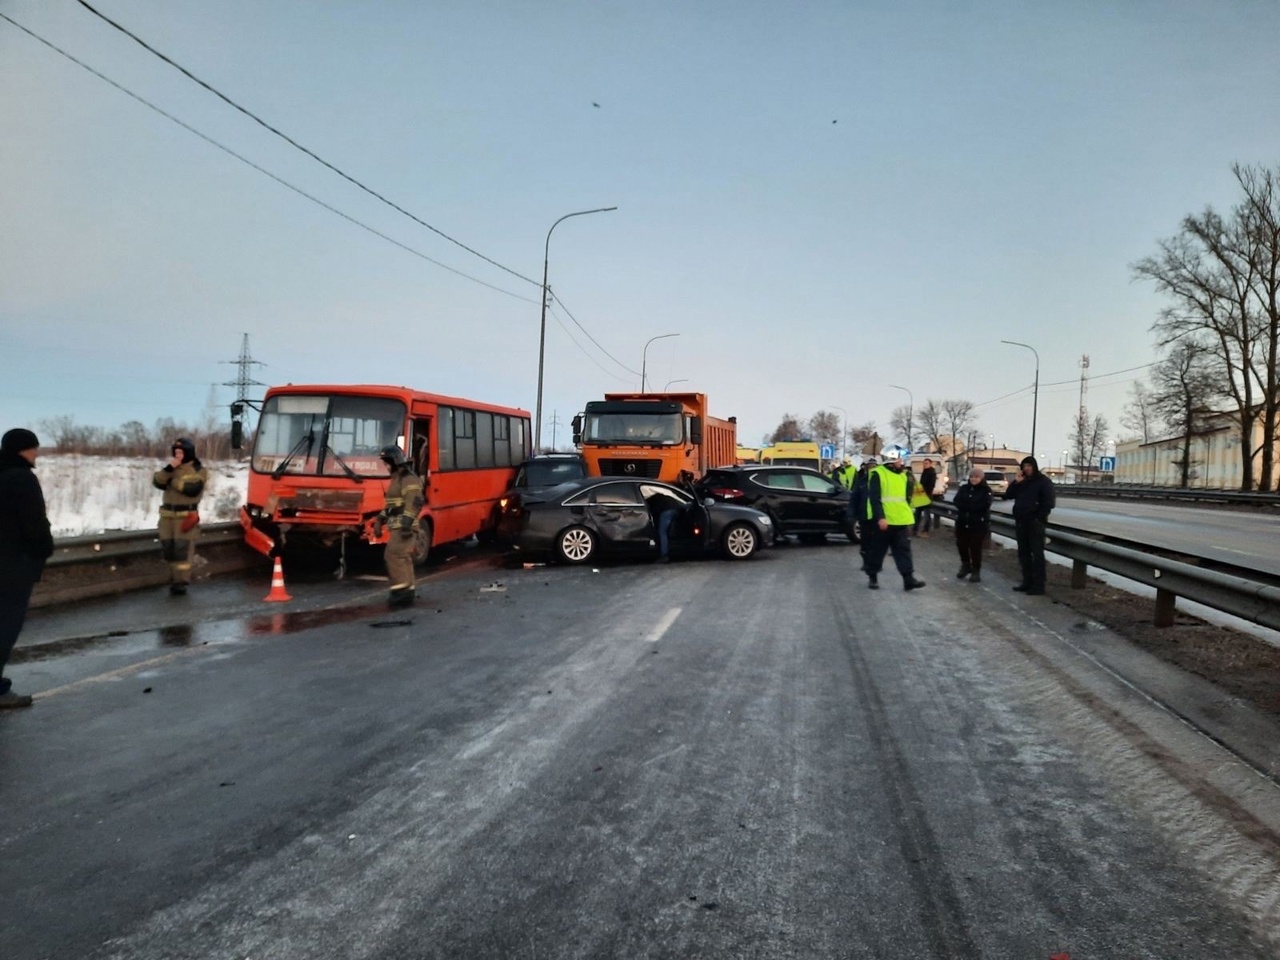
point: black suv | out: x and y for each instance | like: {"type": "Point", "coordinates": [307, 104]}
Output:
{"type": "Point", "coordinates": [799, 500]}
{"type": "Point", "coordinates": [549, 470]}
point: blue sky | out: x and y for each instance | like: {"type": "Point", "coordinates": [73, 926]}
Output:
{"type": "Point", "coordinates": [991, 172]}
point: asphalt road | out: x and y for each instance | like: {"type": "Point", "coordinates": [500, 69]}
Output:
{"type": "Point", "coordinates": [698, 760]}
{"type": "Point", "coordinates": [1242, 538]}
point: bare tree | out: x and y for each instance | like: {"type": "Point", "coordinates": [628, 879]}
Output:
{"type": "Point", "coordinates": [1184, 391]}
{"type": "Point", "coordinates": [787, 429]}
{"type": "Point", "coordinates": [960, 420]}
{"type": "Point", "coordinates": [1140, 415]}
{"type": "Point", "coordinates": [1222, 276]}
{"type": "Point", "coordinates": [932, 423]}
{"type": "Point", "coordinates": [861, 435]}
{"type": "Point", "coordinates": [905, 423]}
{"type": "Point", "coordinates": [1260, 213]}
{"type": "Point", "coordinates": [1088, 439]}
{"type": "Point", "coordinates": [824, 427]}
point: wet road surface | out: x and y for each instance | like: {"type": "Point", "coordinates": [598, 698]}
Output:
{"type": "Point", "coordinates": [703, 759]}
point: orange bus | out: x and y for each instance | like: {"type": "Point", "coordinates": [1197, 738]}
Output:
{"type": "Point", "coordinates": [316, 480]}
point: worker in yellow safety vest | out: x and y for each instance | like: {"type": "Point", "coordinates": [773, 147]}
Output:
{"type": "Point", "coordinates": [889, 508]}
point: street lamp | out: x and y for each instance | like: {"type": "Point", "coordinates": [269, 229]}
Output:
{"type": "Point", "coordinates": [1035, 396]}
{"type": "Point", "coordinates": [670, 382]}
{"type": "Point", "coordinates": [844, 430]}
{"type": "Point", "coordinates": [911, 410]}
{"type": "Point", "coordinates": [542, 333]}
{"type": "Point", "coordinates": [644, 357]}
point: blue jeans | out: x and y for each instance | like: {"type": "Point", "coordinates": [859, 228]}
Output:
{"type": "Point", "coordinates": [924, 515]}
{"type": "Point", "coordinates": [665, 519]}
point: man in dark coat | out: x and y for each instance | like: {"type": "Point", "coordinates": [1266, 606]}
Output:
{"type": "Point", "coordinates": [25, 544]}
{"type": "Point", "coordinates": [1033, 498]}
{"type": "Point", "coordinates": [924, 515]}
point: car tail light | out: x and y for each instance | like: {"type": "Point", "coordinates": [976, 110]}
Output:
{"type": "Point", "coordinates": [726, 493]}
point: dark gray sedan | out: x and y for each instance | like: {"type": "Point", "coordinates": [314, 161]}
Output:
{"type": "Point", "coordinates": [577, 522]}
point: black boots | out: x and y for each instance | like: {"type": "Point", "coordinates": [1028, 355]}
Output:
{"type": "Point", "coordinates": [964, 571]}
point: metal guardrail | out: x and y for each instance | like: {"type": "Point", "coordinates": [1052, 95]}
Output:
{"type": "Point", "coordinates": [1254, 597]}
{"type": "Point", "coordinates": [1127, 492]}
{"type": "Point", "coordinates": [118, 544]}
{"type": "Point", "coordinates": [120, 561]}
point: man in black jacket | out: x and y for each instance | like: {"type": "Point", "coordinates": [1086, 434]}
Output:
{"type": "Point", "coordinates": [1033, 499]}
{"type": "Point", "coordinates": [924, 515]}
{"type": "Point", "coordinates": [25, 544]}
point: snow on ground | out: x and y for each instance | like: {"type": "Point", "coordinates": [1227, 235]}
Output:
{"type": "Point", "coordinates": [87, 495]}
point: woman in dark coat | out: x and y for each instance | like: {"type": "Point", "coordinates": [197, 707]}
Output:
{"type": "Point", "coordinates": [973, 520]}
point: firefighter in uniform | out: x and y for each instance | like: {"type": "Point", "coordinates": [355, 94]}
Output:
{"type": "Point", "coordinates": [183, 481]}
{"type": "Point", "coordinates": [404, 502]}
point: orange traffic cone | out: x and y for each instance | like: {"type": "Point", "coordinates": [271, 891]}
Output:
{"type": "Point", "coordinates": [277, 593]}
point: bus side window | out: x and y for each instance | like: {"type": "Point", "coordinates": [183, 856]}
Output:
{"type": "Point", "coordinates": [422, 447]}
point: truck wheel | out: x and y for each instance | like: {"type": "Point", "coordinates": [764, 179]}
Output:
{"type": "Point", "coordinates": [739, 541]}
{"type": "Point", "coordinates": [576, 545]}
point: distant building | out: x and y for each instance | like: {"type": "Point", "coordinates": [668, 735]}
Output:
{"type": "Point", "coordinates": [1215, 459]}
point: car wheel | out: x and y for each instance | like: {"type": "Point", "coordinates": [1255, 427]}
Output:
{"type": "Point", "coordinates": [576, 545]}
{"type": "Point", "coordinates": [422, 543]}
{"type": "Point", "coordinates": [739, 541]}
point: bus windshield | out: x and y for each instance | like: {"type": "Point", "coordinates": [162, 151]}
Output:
{"type": "Point", "coordinates": [326, 435]}
{"type": "Point", "coordinates": [623, 427]}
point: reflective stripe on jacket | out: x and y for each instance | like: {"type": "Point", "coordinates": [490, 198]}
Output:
{"type": "Point", "coordinates": [889, 498]}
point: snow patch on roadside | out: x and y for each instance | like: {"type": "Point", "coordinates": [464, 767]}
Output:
{"type": "Point", "coordinates": [87, 495]}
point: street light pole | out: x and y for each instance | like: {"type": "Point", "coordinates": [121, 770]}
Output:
{"type": "Point", "coordinates": [670, 382]}
{"type": "Point", "coordinates": [542, 332]}
{"type": "Point", "coordinates": [644, 356]}
{"type": "Point", "coordinates": [911, 410]}
{"type": "Point", "coordinates": [1035, 397]}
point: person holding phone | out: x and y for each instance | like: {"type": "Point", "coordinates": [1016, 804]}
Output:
{"type": "Point", "coordinates": [183, 481]}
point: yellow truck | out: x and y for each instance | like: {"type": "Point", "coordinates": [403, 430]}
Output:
{"type": "Point", "coordinates": [793, 453]}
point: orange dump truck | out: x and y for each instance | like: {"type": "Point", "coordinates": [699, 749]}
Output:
{"type": "Point", "coordinates": [654, 435]}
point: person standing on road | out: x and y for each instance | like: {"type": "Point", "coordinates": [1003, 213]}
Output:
{"type": "Point", "coordinates": [859, 494]}
{"type": "Point", "coordinates": [973, 520]}
{"type": "Point", "coordinates": [888, 504]}
{"type": "Point", "coordinates": [25, 544]}
{"type": "Point", "coordinates": [1033, 499]}
{"type": "Point", "coordinates": [663, 510]}
{"type": "Point", "coordinates": [405, 499]}
{"type": "Point", "coordinates": [183, 481]}
{"type": "Point", "coordinates": [924, 513]}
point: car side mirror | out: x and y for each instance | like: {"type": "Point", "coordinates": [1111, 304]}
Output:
{"type": "Point", "coordinates": [577, 431]}
{"type": "Point", "coordinates": [695, 430]}
{"type": "Point", "coordinates": [709, 502]}
{"type": "Point", "coordinates": [237, 434]}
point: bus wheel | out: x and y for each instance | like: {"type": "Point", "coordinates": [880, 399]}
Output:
{"type": "Point", "coordinates": [422, 543]}
{"type": "Point", "coordinates": [576, 545]}
{"type": "Point", "coordinates": [739, 541]}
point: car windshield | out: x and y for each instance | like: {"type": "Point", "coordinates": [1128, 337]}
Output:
{"type": "Point", "coordinates": [316, 434]}
{"type": "Point", "coordinates": [548, 473]}
{"type": "Point", "coordinates": [625, 427]}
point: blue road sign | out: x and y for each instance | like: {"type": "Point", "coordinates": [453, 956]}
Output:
{"type": "Point", "coordinates": [1107, 464]}
{"type": "Point", "coordinates": [827, 451]}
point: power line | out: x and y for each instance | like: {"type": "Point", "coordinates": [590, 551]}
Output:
{"type": "Point", "coordinates": [294, 143]}
{"type": "Point", "coordinates": [569, 333]}
{"type": "Point", "coordinates": [262, 170]}
{"type": "Point", "coordinates": [557, 299]}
